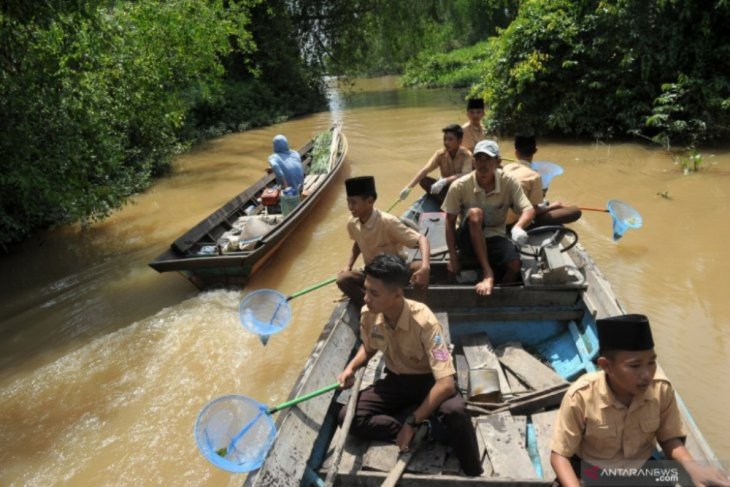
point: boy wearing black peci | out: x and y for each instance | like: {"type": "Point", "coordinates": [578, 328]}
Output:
{"type": "Point", "coordinates": [617, 414]}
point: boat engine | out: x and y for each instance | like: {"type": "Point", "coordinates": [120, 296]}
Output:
{"type": "Point", "coordinates": [550, 265]}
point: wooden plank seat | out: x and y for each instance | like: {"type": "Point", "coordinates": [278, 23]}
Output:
{"type": "Point", "coordinates": [505, 435]}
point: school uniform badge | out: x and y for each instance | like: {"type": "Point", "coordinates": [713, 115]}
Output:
{"type": "Point", "coordinates": [440, 354]}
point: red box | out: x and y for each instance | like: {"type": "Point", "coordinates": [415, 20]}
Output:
{"type": "Point", "coordinates": [270, 196]}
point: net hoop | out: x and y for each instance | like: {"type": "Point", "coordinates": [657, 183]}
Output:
{"type": "Point", "coordinates": [547, 171]}
{"type": "Point", "coordinates": [265, 312]}
{"type": "Point", "coordinates": [220, 436]}
{"type": "Point", "coordinates": [624, 217]}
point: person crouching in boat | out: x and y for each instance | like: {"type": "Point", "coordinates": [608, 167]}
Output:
{"type": "Point", "coordinates": [616, 416]}
{"type": "Point", "coordinates": [286, 164]}
{"type": "Point", "coordinates": [473, 129]}
{"type": "Point", "coordinates": [420, 370]}
{"type": "Point", "coordinates": [375, 232]}
{"type": "Point", "coordinates": [554, 213]}
{"type": "Point", "coordinates": [452, 161]}
{"type": "Point", "coordinates": [481, 199]}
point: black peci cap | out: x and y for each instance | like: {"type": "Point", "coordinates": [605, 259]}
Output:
{"type": "Point", "coordinates": [475, 103]}
{"type": "Point", "coordinates": [624, 332]}
{"type": "Point", "coordinates": [525, 142]}
{"type": "Point", "coordinates": [361, 186]}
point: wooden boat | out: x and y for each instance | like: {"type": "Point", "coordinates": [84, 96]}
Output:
{"type": "Point", "coordinates": [212, 253]}
{"type": "Point", "coordinates": [552, 316]}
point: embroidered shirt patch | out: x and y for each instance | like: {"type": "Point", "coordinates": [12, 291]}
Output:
{"type": "Point", "coordinates": [437, 340]}
{"type": "Point", "coordinates": [440, 354]}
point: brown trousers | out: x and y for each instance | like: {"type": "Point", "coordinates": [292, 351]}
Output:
{"type": "Point", "coordinates": [382, 408]}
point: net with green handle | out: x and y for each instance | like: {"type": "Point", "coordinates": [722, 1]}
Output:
{"type": "Point", "coordinates": [235, 432]}
{"type": "Point", "coordinates": [266, 311]}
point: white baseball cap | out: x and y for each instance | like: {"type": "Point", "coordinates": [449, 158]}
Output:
{"type": "Point", "coordinates": [488, 147]}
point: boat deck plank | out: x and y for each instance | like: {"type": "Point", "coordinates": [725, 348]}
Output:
{"type": "Point", "coordinates": [482, 446]}
{"type": "Point", "coordinates": [505, 447]}
{"type": "Point", "coordinates": [429, 459]}
{"type": "Point", "coordinates": [381, 456]}
{"type": "Point", "coordinates": [526, 367]}
{"type": "Point", "coordinates": [515, 384]}
{"type": "Point", "coordinates": [543, 423]}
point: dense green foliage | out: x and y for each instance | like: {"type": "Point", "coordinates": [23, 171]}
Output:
{"type": "Point", "coordinates": [368, 37]}
{"type": "Point", "coordinates": [455, 69]}
{"type": "Point", "coordinates": [657, 68]}
{"type": "Point", "coordinates": [98, 95]}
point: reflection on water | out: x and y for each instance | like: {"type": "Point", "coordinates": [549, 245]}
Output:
{"type": "Point", "coordinates": [105, 364]}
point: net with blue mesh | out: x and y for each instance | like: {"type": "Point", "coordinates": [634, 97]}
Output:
{"type": "Point", "coordinates": [624, 217]}
{"type": "Point", "coordinates": [547, 171]}
{"type": "Point", "coordinates": [235, 433]}
{"type": "Point", "coordinates": [265, 312]}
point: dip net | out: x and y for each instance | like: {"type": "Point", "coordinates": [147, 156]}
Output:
{"type": "Point", "coordinates": [265, 312]}
{"type": "Point", "coordinates": [235, 433]}
{"type": "Point", "coordinates": [547, 171]}
{"type": "Point", "coordinates": [624, 217]}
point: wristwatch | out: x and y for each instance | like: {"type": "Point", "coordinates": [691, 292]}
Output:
{"type": "Point", "coordinates": [411, 421]}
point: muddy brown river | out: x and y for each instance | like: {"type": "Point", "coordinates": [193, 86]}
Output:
{"type": "Point", "coordinates": [105, 364]}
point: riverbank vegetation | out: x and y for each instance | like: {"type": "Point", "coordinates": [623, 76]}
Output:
{"type": "Point", "coordinates": [98, 95]}
{"type": "Point", "coordinates": [602, 69]}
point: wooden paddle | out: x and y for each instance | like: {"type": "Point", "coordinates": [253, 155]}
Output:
{"type": "Point", "coordinates": [405, 457]}
{"type": "Point", "coordinates": [349, 414]}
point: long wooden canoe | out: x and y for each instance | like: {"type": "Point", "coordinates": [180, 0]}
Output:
{"type": "Point", "coordinates": [199, 254]}
{"type": "Point", "coordinates": [540, 336]}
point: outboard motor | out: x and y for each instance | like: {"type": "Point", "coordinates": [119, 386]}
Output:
{"type": "Point", "coordinates": [551, 265]}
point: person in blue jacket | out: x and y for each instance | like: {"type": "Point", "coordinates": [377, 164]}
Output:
{"type": "Point", "coordinates": [286, 164]}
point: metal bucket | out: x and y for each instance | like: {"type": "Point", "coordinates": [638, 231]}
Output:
{"type": "Point", "coordinates": [484, 385]}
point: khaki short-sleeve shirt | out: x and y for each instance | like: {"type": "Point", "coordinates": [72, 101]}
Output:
{"type": "Point", "coordinates": [465, 193]}
{"type": "Point", "coordinates": [594, 425]}
{"type": "Point", "coordinates": [415, 345]}
{"type": "Point", "coordinates": [472, 135]}
{"type": "Point", "coordinates": [449, 166]}
{"type": "Point", "coordinates": [383, 233]}
{"type": "Point", "coordinates": [530, 181]}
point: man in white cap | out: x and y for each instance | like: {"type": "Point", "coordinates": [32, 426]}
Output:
{"type": "Point", "coordinates": [481, 199]}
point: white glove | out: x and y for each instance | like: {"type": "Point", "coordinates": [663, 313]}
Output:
{"type": "Point", "coordinates": [404, 193]}
{"type": "Point", "coordinates": [438, 186]}
{"type": "Point", "coordinates": [519, 235]}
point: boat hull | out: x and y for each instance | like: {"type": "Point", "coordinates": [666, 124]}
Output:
{"type": "Point", "coordinates": [234, 269]}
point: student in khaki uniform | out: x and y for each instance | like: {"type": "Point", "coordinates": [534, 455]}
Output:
{"type": "Point", "coordinates": [473, 129]}
{"type": "Point", "coordinates": [375, 232]}
{"type": "Point", "coordinates": [452, 161]}
{"type": "Point", "coordinates": [618, 414]}
{"type": "Point", "coordinates": [419, 385]}
{"type": "Point", "coordinates": [554, 213]}
{"type": "Point", "coordinates": [481, 199]}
